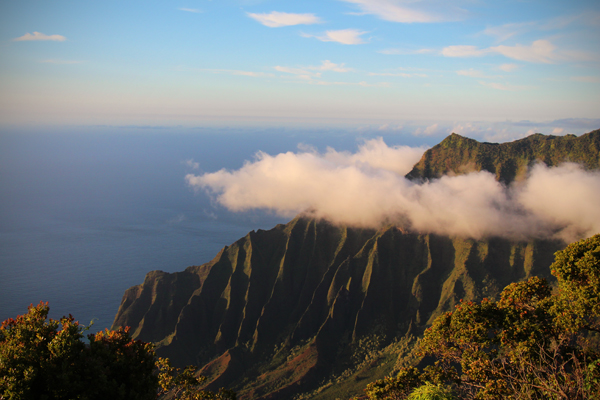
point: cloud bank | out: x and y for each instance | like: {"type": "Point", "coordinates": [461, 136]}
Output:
{"type": "Point", "coordinates": [368, 189]}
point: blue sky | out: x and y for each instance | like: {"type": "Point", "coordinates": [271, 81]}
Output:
{"type": "Point", "coordinates": [432, 65]}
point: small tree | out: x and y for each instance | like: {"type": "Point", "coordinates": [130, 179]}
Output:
{"type": "Point", "coordinates": [43, 358]}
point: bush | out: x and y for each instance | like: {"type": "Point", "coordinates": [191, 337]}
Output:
{"type": "Point", "coordinates": [430, 391]}
{"type": "Point", "coordinates": [42, 358]}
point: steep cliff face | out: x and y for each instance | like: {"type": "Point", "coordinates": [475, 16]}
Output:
{"type": "Point", "coordinates": [318, 289]}
{"type": "Point", "coordinates": [309, 307]}
{"type": "Point", "coordinates": [508, 161]}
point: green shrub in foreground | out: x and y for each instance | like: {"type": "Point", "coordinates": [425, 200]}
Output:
{"type": "Point", "coordinates": [430, 391]}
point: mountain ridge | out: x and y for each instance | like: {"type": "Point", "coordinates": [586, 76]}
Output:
{"type": "Point", "coordinates": [507, 161]}
{"type": "Point", "coordinates": [284, 311]}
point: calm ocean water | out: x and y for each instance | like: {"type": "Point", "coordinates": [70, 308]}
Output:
{"type": "Point", "coordinates": [85, 214]}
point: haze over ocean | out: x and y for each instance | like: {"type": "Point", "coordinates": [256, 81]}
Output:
{"type": "Point", "coordinates": [86, 213]}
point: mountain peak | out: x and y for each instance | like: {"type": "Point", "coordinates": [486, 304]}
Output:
{"type": "Point", "coordinates": [509, 161]}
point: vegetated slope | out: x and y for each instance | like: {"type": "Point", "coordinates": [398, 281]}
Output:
{"type": "Point", "coordinates": [318, 289]}
{"type": "Point", "coordinates": [313, 308]}
{"type": "Point", "coordinates": [508, 161]}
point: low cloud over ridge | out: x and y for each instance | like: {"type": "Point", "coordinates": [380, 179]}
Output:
{"type": "Point", "coordinates": [368, 189]}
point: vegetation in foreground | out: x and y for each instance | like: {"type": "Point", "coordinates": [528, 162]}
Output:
{"type": "Point", "coordinates": [533, 343]}
{"type": "Point", "coordinates": [42, 358]}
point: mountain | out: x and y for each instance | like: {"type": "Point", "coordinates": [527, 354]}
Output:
{"type": "Point", "coordinates": [508, 161]}
{"type": "Point", "coordinates": [313, 310]}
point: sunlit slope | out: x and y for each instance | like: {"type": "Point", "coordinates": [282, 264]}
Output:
{"type": "Point", "coordinates": [314, 310]}
{"type": "Point", "coordinates": [317, 288]}
{"type": "Point", "coordinates": [508, 161]}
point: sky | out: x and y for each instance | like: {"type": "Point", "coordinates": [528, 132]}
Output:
{"type": "Point", "coordinates": [481, 68]}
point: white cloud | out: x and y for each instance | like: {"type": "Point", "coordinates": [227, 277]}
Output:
{"type": "Point", "coordinates": [507, 31]}
{"type": "Point", "coordinates": [586, 79]}
{"type": "Point", "coordinates": [463, 51]}
{"type": "Point", "coordinates": [431, 130]}
{"type": "Point", "coordinates": [307, 72]}
{"type": "Point", "coordinates": [343, 36]}
{"type": "Point", "coordinates": [405, 11]}
{"type": "Point", "coordinates": [192, 10]}
{"type": "Point", "coordinates": [540, 51]}
{"type": "Point", "coordinates": [473, 73]}
{"type": "Point", "coordinates": [363, 84]}
{"type": "Point", "coordinates": [503, 86]}
{"type": "Point", "coordinates": [368, 189]}
{"type": "Point", "coordinates": [190, 163]}
{"type": "Point", "coordinates": [558, 131]}
{"type": "Point", "coordinates": [278, 19]}
{"type": "Point", "coordinates": [402, 74]}
{"type": "Point", "coordinates": [406, 51]}
{"type": "Point", "coordinates": [299, 72]}
{"type": "Point", "coordinates": [508, 67]}
{"type": "Point", "coordinates": [238, 72]}
{"type": "Point", "coordinates": [329, 66]}
{"type": "Point", "coordinates": [54, 61]}
{"type": "Point", "coordinates": [40, 36]}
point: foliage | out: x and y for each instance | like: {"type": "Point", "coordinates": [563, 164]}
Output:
{"type": "Point", "coordinates": [531, 344]}
{"type": "Point", "coordinates": [43, 358]}
{"type": "Point", "coordinates": [184, 384]}
{"type": "Point", "coordinates": [430, 391]}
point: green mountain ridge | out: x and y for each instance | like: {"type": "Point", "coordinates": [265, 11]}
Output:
{"type": "Point", "coordinates": [312, 310]}
{"type": "Point", "coordinates": [508, 161]}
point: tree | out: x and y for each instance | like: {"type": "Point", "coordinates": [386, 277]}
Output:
{"type": "Point", "coordinates": [43, 358]}
{"type": "Point", "coordinates": [533, 343]}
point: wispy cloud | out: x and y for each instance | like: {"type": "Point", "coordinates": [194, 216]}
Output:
{"type": "Point", "coordinates": [238, 72]}
{"type": "Point", "coordinates": [301, 73]}
{"type": "Point", "coordinates": [401, 74]}
{"type": "Point", "coordinates": [586, 79]}
{"type": "Point", "coordinates": [308, 71]}
{"type": "Point", "coordinates": [40, 36]}
{"type": "Point", "coordinates": [278, 19]}
{"type": "Point", "coordinates": [506, 31]}
{"type": "Point", "coordinates": [406, 51]}
{"type": "Point", "coordinates": [192, 10]}
{"type": "Point", "coordinates": [190, 163]}
{"type": "Point", "coordinates": [55, 61]}
{"type": "Point", "coordinates": [343, 36]}
{"type": "Point", "coordinates": [540, 51]}
{"type": "Point", "coordinates": [329, 66]}
{"type": "Point", "coordinates": [508, 67]}
{"type": "Point", "coordinates": [431, 130]}
{"type": "Point", "coordinates": [406, 11]}
{"type": "Point", "coordinates": [463, 51]}
{"type": "Point", "coordinates": [473, 73]}
{"type": "Point", "coordinates": [503, 86]}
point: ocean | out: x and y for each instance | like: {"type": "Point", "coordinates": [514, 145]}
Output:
{"type": "Point", "coordinates": [86, 212]}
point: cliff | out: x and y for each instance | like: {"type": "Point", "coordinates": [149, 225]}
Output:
{"type": "Point", "coordinates": [309, 307]}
